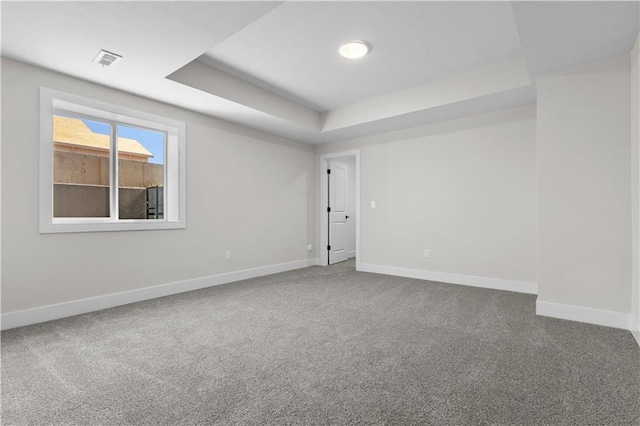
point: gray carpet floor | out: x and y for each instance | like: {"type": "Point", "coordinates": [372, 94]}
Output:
{"type": "Point", "coordinates": [322, 345]}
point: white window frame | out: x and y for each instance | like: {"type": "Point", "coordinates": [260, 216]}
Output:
{"type": "Point", "coordinates": [175, 187]}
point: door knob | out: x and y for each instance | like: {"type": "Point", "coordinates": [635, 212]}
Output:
{"type": "Point", "coordinates": [346, 217]}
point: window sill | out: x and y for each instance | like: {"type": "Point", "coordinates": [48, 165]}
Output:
{"type": "Point", "coordinates": [122, 225]}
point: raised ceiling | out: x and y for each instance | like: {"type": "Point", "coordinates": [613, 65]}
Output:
{"type": "Point", "coordinates": [274, 65]}
{"type": "Point", "coordinates": [291, 50]}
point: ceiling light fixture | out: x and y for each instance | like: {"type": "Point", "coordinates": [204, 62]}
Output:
{"type": "Point", "coordinates": [106, 58]}
{"type": "Point", "coordinates": [354, 49]}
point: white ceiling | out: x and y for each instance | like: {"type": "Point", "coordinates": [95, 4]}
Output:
{"type": "Point", "coordinates": [274, 66]}
{"type": "Point", "coordinates": [292, 50]}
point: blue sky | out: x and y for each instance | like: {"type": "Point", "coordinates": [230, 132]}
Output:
{"type": "Point", "coordinates": [153, 141]}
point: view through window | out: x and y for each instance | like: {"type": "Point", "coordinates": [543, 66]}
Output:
{"type": "Point", "coordinates": [84, 168]}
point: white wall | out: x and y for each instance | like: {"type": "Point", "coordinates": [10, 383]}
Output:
{"type": "Point", "coordinates": [635, 189]}
{"type": "Point", "coordinates": [584, 207]}
{"type": "Point", "coordinates": [464, 189]}
{"type": "Point", "coordinates": [247, 192]}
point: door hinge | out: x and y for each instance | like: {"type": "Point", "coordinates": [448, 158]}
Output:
{"type": "Point", "coordinates": [329, 248]}
{"type": "Point", "coordinates": [328, 171]}
{"type": "Point", "coordinates": [328, 209]}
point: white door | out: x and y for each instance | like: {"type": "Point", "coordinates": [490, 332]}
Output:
{"type": "Point", "coordinates": [338, 214]}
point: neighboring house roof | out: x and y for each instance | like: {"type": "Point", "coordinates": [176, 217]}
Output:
{"type": "Point", "coordinates": [72, 131]}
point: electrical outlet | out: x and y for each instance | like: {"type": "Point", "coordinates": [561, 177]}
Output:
{"type": "Point", "coordinates": [373, 204]}
{"type": "Point", "coordinates": [227, 255]}
{"type": "Point", "coordinates": [426, 253]}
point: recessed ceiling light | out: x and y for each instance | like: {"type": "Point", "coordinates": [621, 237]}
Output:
{"type": "Point", "coordinates": [353, 49]}
{"type": "Point", "coordinates": [106, 58]}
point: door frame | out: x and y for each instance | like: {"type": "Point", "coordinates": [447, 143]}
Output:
{"type": "Point", "coordinates": [324, 194]}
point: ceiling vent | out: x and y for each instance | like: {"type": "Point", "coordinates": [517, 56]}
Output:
{"type": "Point", "coordinates": [106, 58]}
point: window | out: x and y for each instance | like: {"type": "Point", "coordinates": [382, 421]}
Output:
{"type": "Point", "coordinates": [108, 168]}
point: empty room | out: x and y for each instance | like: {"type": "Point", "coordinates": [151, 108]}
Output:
{"type": "Point", "coordinates": [306, 212]}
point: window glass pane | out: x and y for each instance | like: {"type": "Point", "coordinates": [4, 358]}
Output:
{"type": "Point", "coordinates": [141, 160]}
{"type": "Point", "coordinates": [80, 167]}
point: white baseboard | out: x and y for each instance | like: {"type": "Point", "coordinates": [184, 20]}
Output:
{"type": "Point", "coordinates": [581, 314]}
{"type": "Point", "coordinates": [635, 328]}
{"type": "Point", "coordinates": [351, 253]}
{"type": "Point", "coordinates": [82, 306]}
{"type": "Point", "coordinates": [446, 277]}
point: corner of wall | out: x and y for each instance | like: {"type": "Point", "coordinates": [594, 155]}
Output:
{"type": "Point", "coordinates": [635, 328]}
{"type": "Point", "coordinates": [583, 314]}
{"type": "Point", "coordinates": [583, 117]}
{"type": "Point", "coordinates": [635, 185]}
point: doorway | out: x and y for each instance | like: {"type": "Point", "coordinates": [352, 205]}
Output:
{"type": "Point", "coordinates": [340, 207]}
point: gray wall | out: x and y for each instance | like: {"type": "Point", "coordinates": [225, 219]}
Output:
{"type": "Point", "coordinates": [80, 201]}
{"type": "Point", "coordinates": [584, 206]}
{"type": "Point", "coordinates": [93, 201]}
{"type": "Point", "coordinates": [247, 192]}
{"type": "Point", "coordinates": [464, 189]}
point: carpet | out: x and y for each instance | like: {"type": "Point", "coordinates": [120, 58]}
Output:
{"type": "Point", "coordinates": [321, 345]}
